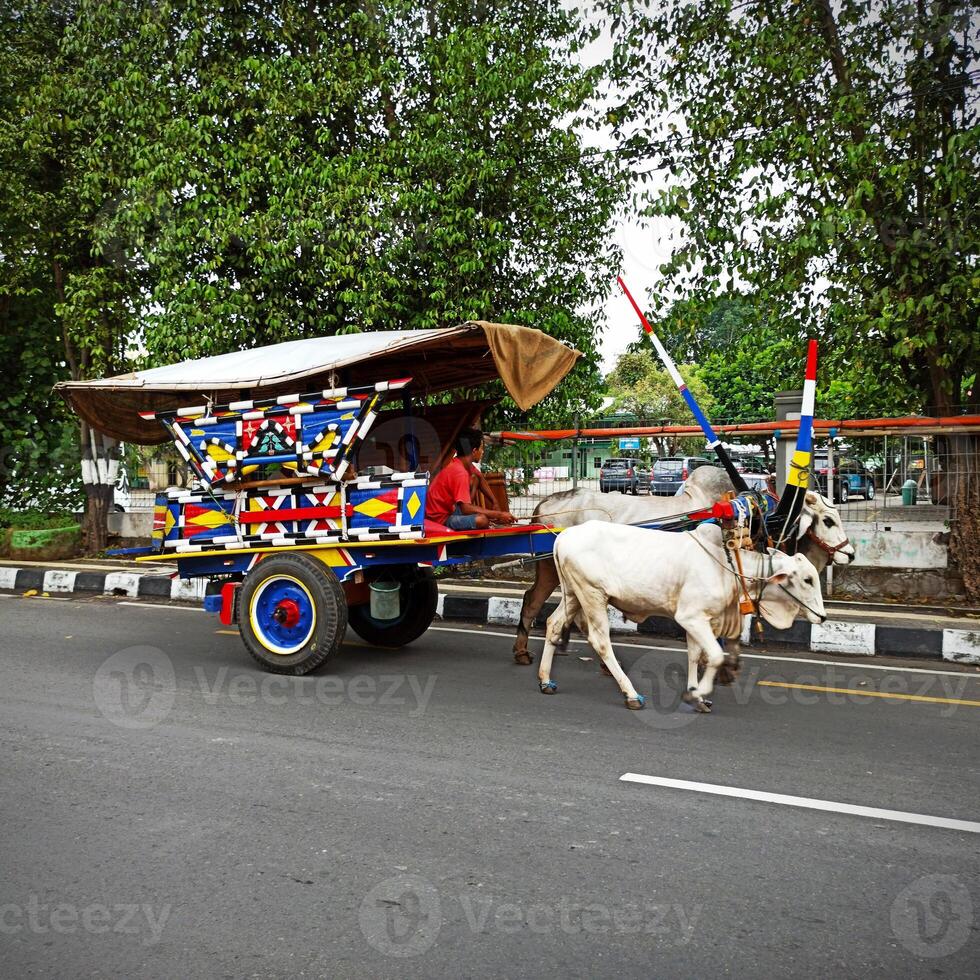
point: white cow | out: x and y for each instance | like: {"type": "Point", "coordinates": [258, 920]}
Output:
{"type": "Point", "coordinates": [820, 534]}
{"type": "Point", "coordinates": [683, 575]}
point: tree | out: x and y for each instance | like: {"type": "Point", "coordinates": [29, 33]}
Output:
{"type": "Point", "coordinates": [825, 156]}
{"type": "Point", "coordinates": [647, 392]}
{"type": "Point", "coordinates": [363, 166]}
{"type": "Point", "coordinates": [69, 310]}
{"type": "Point", "coordinates": [187, 179]}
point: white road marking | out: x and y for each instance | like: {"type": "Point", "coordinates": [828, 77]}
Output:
{"type": "Point", "coordinates": [168, 608]}
{"type": "Point", "coordinates": [897, 816]}
{"type": "Point", "coordinates": [625, 645]}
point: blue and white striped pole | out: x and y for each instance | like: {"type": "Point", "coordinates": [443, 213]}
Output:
{"type": "Point", "coordinates": [713, 441]}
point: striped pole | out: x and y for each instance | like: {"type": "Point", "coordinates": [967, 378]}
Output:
{"type": "Point", "coordinates": [713, 441]}
{"type": "Point", "coordinates": [790, 504]}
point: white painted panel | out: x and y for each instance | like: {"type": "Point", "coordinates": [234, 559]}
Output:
{"type": "Point", "coordinates": [127, 582]}
{"type": "Point", "coordinates": [188, 588]}
{"type": "Point", "coordinates": [895, 548]}
{"type": "Point", "coordinates": [961, 646]}
{"type": "Point", "coordinates": [504, 610]}
{"type": "Point", "coordinates": [59, 581]}
{"type": "Point", "coordinates": [837, 637]}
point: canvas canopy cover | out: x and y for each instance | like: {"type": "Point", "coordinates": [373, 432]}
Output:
{"type": "Point", "coordinates": [529, 362]}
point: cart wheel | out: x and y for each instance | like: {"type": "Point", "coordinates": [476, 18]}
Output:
{"type": "Point", "coordinates": [292, 613]}
{"type": "Point", "coordinates": [417, 596]}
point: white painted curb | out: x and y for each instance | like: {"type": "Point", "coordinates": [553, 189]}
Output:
{"type": "Point", "coordinates": [838, 637]}
{"type": "Point", "coordinates": [961, 646]}
{"type": "Point", "coordinates": [59, 581]}
{"type": "Point", "coordinates": [126, 582]}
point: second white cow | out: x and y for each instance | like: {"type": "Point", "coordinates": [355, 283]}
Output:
{"type": "Point", "coordinates": [686, 576]}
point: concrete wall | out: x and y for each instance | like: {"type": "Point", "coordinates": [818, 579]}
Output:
{"type": "Point", "coordinates": [137, 524]}
{"type": "Point", "coordinates": [898, 563]}
{"type": "Point", "coordinates": [896, 548]}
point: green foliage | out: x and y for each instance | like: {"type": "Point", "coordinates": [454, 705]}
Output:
{"type": "Point", "coordinates": [746, 357]}
{"type": "Point", "coordinates": [35, 519]}
{"type": "Point", "coordinates": [647, 392]}
{"type": "Point", "coordinates": [293, 170]}
{"type": "Point", "coordinates": [824, 156]}
{"type": "Point", "coordinates": [186, 179]}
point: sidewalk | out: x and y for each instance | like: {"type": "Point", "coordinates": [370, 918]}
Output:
{"type": "Point", "coordinates": [855, 629]}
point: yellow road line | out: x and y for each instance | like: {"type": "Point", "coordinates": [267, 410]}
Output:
{"type": "Point", "coordinates": [870, 694]}
{"type": "Point", "coordinates": [227, 632]}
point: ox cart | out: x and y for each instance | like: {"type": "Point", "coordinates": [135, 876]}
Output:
{"type": "Point", "coordinates": [307, 513]}
{"type": "Point", "coordinates": [308, 510]}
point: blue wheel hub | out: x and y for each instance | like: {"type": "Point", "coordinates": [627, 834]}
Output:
{"type": "Point", "coordinates": [282, 615]}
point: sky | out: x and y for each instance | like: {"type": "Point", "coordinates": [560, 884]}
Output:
{"type": "Point", "coordinates": [644, 247]}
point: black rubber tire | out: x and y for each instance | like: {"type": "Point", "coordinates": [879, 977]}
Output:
{"type": "Point", "coordinates": [419, 595]}
{"type": "Point", "coordinates": [328, 601]}
{"type": "Point", "coordinates": [843, 494]}
{"type": "Point", "coordinates": [869, 493]}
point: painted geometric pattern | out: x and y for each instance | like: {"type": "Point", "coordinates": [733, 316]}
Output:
{"type": "Point", "coordinates": [308, 435]}
{"type": "Point", "coordinates": [365, 509]}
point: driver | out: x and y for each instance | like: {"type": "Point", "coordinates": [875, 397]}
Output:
{"type": "Point", "coordinates": [450, 500]}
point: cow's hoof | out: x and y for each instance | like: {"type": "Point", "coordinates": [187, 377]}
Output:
{"type": "Point", "coordinates": [728, 670]}
{"type": "Point", "coordinates": [522, 658]}
{"type": "Point", "coordinates": [698, 704]}
{"type": "Point", "coordinates": [708, 702]}
{"type": "Point", "coordinates": [636, 703]}
{"type": "Point", "coordinates": [548, 687]}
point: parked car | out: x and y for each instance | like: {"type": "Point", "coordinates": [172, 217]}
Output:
{"type": "Point", "coordinates": [750, 464]}
{"type": "Point", "coordinates": [627, 474]}
{"type": "Point", "coordinates": [849, 477]}
{"type": "Point", "coordinates": [762, 482]}
{"type": "Point", "coordinates": [670, 473]}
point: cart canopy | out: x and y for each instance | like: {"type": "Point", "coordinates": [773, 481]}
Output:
{"type": "Point", "coordinates": [529, 362]}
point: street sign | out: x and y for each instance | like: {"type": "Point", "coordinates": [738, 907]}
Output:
{"type": "Point", "coordinates": [630, 443]}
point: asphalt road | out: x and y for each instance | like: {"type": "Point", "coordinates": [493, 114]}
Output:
{"type": "Point", "coordinates": [168, 810]}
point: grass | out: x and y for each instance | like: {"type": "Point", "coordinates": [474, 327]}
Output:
{"type": "Point", "coordinates": [35, 520]}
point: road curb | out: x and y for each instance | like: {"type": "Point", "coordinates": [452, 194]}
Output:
{"type": "Point", "coordinates": [59, 581]}
{"type": "Point", "coordinates": [840, 637]}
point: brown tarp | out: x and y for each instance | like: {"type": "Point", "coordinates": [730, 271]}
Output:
{"type": "Point", "coordinates": [530, 364]}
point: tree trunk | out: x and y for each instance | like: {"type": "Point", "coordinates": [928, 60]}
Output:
{"type": "Point", "coordinates": [100, 465]}
{"type": "Point", "coordinates": [95, 524]}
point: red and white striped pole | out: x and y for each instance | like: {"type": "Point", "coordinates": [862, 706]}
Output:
{"type": "Point", "coordinates": [713, 441]}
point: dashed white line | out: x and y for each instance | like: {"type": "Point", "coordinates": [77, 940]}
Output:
{"type": "Point", "coordinates": [896, 816]}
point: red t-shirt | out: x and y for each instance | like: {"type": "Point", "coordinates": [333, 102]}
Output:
{"type": "Point", "coordinates": [450, 487]}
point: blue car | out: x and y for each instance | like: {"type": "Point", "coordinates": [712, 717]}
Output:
{"type": "Point", "coordinates": [850, 478]}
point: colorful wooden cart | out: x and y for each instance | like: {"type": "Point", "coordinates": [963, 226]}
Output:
{"type": "Point", "coordinates": [308, 510]}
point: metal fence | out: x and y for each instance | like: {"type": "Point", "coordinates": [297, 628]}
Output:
{"type": "Point", "coordinates": [880, 479]}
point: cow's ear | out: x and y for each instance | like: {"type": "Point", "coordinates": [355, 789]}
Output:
{"type": "Point", "coordinates": [806, 521]}
{"type": "Point", "coordinates": [778, 578]}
